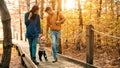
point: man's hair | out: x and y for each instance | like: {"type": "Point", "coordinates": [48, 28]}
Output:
{"type": "Point", "coordinates": [48, 8]}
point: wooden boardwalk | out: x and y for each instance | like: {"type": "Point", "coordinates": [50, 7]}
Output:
{"type": "Point", "coordinates": [62, 62]}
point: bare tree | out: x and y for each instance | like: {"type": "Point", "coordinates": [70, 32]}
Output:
{"type": "Point", "coordinates": [21, 38]}
{"type": "Point", "coordinates": [36, 2]}
{"type": "Point", "coordinates": [59, 8]}
{"type": "Point", "coordinates": [53, 4]}
{"type": "Point", "coordinates": [80, 15]}
{"type": "Point", "coordinates": [117, 9]}
{"type": "Point", "coordinates": [28, 4]}
{"type": "Point", "coordinates": [42, 8]}
{"type": "Point", "coordinates": [100, 8]}
{"type": "Point", "coordinates": [7, 41]}
{"type": "Point", "coordinates": [98, 21]}
{"type": "Point", "coordinates": [80, 24]}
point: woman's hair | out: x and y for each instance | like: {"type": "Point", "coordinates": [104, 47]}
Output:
{"type": "Point", "coordinates": [33, 10]}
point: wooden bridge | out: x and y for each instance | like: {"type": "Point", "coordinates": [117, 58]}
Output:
{"type": "Point", "coordinates": [64, 61]}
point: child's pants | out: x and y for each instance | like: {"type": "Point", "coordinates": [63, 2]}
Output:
{"type": "Point", "coordinates": [40, 53]}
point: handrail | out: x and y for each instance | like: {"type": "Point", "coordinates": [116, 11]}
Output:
{"type": "Point", "coordinates": [105, 34]}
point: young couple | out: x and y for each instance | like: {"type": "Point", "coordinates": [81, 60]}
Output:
{"type": "Point", "coordinates": [33, 29]}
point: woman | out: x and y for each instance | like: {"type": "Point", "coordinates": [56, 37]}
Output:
{"type": "Point", "coordinates": [33, 30]}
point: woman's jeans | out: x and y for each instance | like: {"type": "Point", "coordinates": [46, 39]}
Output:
{"type": "Point", "coordinates": [32, 46]}
{"type": "Point", "coordinates": [55, 35]}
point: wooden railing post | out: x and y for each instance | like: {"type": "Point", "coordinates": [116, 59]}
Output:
{"type": "Point", "coordinates": [90, 44]}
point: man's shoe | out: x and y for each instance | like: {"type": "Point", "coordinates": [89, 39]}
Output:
{"type": "Point", "coordinates": [55, 60]}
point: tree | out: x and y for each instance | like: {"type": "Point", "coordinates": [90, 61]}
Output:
{"type": "Point", "coordinates": [80, 25]}
{"type": "Point", "coordinates": [21, 38]}
{"type": "Point", "coordinates": [80, 15]}
{"type": "Point", "coordinates": [36, 2]}
{"type": "Point", "coordinates": [53, 4]}
{"type": "Point", "coordinates": [42, 8]}
{"type": "Point", "coordinates": [59, 8]}
{"type": "Point", "coordinates": [28, 4]}
{"type": "Point", "coordinates": [117, 9]}
{"type": "Point", "coordinates": [7, 41]}
{"type": "Point", "coordinates": [98, 21]}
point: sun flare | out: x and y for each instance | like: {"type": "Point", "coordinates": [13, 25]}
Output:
{"type": "Point", "coordinates": [71, 4]}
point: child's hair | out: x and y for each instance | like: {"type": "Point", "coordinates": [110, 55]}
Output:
{"type": "Point", "coordinates": [42, 39]}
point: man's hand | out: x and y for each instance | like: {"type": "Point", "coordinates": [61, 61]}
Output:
{"type": "Point", "coordinates": [58, 22]}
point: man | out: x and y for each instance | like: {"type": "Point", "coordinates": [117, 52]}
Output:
{"type": "Point", "coordinates": [54, 21]}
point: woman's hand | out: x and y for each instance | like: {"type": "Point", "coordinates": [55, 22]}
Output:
{"type": "Point", "coordinates": [30, 15]}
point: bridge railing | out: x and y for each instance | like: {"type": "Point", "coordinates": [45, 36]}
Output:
{"type": "Point", "coordinates": [90, 39]}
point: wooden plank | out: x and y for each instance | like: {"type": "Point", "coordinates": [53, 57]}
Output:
{"type": "Point", "coordinates": [74, 61]}
{"type": "Point", "coordinates": [63, 62]}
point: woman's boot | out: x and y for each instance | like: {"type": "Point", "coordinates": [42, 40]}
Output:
{"type": "Point", "coordinates": [34, 60]}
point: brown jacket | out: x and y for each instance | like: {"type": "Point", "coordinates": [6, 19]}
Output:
{"type": "Point", "coordinates": [51, 21]}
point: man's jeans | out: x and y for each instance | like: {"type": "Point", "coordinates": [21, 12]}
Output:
{"type": "Point", "coordinates": [32, 46]}
{"type": "Point", "coordinates": [55, 35]}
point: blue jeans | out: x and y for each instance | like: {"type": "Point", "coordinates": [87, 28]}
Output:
{"type": "Point", "coordinates": [55, 35]}
{"type": "Point", "coordinates": [32, 46]}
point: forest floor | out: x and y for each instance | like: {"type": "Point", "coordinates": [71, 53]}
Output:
{"type": "Point", "coordinates": [101, 60]}
{"type": "Point", "coordinates": [15, 59]}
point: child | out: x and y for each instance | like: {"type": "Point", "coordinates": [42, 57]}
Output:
{"type": "Point", "coordinates": [41, 52]}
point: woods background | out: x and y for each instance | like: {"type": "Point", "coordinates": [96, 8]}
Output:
{"type": "Point", "coordinates": [102, 14]}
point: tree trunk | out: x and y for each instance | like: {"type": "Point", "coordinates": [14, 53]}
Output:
{"type": "Point", "coordinates": [21, 38]}
{"type": "Point", "coordinates": [36, 2]}
{"type": "Point", "coordinates": [42, 8]}
{"type": "Point", "coordinates": [80, 15]}
{"type": "Point", "coordinates": [98, 21]}
{"type": "Point", "coordinates": [117, 10]}
{"type": "Point", "coordinates": [28, 9]}
{"type": "Point", "coordinates": [100, 8]}
{"type": "Point", "coordinates": [80, 24]}
{"type": "Point", "coordinates": [28, 4]}
{"type": "Point", "coordinates": [7, 41]}
{"type": "Point", "coordinates": [112, 9]}
{"type": "Point", "coordinates": [53, 4]}
{"type": "Point", "coordinates": [59, 8]}
{"type": "Point", "coordinates": [59, 5]}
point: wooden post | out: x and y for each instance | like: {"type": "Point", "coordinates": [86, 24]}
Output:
{"type": "Point", "coordinates": [90, 44]}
